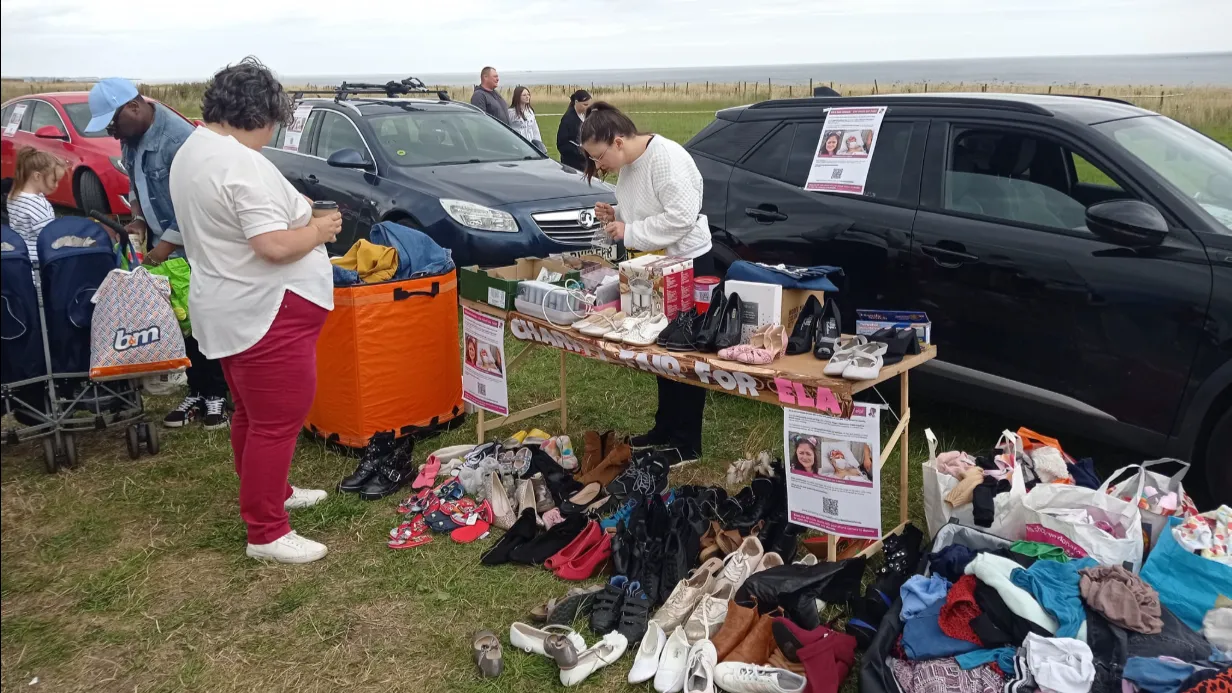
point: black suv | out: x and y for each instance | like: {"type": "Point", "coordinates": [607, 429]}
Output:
{"type": "Point", "coordinates": [1074, 254]}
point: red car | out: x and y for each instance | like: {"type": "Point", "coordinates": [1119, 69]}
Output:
{"type": "Point", "coordinates": [53, 123]}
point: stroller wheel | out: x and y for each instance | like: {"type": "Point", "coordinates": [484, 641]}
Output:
{"type": "Point", "coordinates": [70, 451]}
{"type": "Point", "coordinates": [134, 445]}
{"type": "Point", "coordinates": [49, 454]}
{"type": "Point", "coordinates": [151, 438]}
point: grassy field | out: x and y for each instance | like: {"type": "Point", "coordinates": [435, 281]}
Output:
{"type": "Point", "coordinates": [126, 575]}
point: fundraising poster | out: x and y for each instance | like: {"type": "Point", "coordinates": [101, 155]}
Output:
{"type": "Point", "coordinates": [845, 150]}
{"type": "Point", "coordinates": [833, 484]}
{"type": "Point", "coordinates": [19, 111]}
{"type": "Point", "coordinates": [484, 380]}
{"type": "Point", "coordinates": [290, 141]}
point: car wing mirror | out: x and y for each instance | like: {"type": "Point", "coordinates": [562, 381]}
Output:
{"type": "Point", "coordinates": [51, 132]}
{"type": "Point", "coordinates": [1127, 222]}
{"type": "Point", "coordinates": [349, 158]}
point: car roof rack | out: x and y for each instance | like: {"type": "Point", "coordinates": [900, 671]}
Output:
{"type": "Point", "coordinates": [391, 89]}
{"type": "Point", "coordinates": [1006, 104]}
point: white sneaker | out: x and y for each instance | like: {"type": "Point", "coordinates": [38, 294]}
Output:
{"type": "Point", "coordinates": [621, 328]}
{"type": "Point", "coordinates": [611, 648]}
{"type": "Point", "coordinates": [289, 548]}
{"type": "Point", "coordinates": [601, 325]}
{"type": "Point", "coordinates": [737, 677]}
{"type": "Point", "coordinates": [646, 663]}
{"type": "Point", "coordinates": [687, 593]}
{"type": "Point", "coordinates": [700, 676]}
{"type": "Point", "coordinates": [673, 664]}
{"type": "Point", "coordinates": [738, 566]}
{"type": "Point", "coordinates": [646, 333]}
{"type": "Point", "coordinates": [303, 498]}
{"type": "Point", "coordinates": [768, 561]}
{"type": "Point", "coordinates": [708, 617]}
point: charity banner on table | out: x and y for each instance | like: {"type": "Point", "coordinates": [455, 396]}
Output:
{"type": "Point", "coordinates": [290, 141]}
{"type": "Point", "coordinates": [833, 465]}
{"type": "Point", "coordinates": [485, 382]}
{"type": "Point", "coordinates": [845, 150]}
{"type": "Point", "coordinates": [775, 383]}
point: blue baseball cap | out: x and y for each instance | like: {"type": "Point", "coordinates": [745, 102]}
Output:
{"type": "Point", "coordinates": [107, 97]}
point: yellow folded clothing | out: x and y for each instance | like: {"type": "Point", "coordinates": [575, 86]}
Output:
{"type": "Point", "coordinates": [374, 263]}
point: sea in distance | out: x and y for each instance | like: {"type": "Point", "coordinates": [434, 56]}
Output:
{"type": "Point", "coordinates": [1214, 69]}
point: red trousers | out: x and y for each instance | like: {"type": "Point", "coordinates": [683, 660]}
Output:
{"type": "Point", "coordinates": [272, 385]}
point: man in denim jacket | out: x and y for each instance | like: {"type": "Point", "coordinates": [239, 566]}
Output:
{"type": "Point", "coordinates": [150, 135]}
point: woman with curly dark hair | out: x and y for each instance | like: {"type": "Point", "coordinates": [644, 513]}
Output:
{"type": "Point", "coordinates": [261, 289]}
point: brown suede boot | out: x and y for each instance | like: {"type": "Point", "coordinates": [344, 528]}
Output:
{"type": "Point", "coordinates": [736, 626]}
{"type": "Point", "coordinates": [592, 452]}
{"type": "Point", "coordinates": [611, 466]}
{"type": "Point", "coordinates": [758, 644]}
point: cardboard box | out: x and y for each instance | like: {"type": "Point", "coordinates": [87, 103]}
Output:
{"type": "Point", "coordinates": [869, 321]}
{"type": "Point", "coordinates": [793, 303]}
{"type": "Point", "coordinates": [652, 284]}
{"type": "Point", "coordinates": [762, 304]}
{"type": "Point", "coordinates": [498, 287]}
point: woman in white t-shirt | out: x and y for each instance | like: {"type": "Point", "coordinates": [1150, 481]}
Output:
{"type": "Point", "coordinates": [261, 290]}
{"type": "Point", "coordinates": [522, 118]}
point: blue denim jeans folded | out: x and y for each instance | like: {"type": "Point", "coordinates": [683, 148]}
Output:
{"type": "Point", "coordinates": [815, 278]}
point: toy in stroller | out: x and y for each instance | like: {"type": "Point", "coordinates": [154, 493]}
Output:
{"type": "Point", "coordinates": [45, 380]}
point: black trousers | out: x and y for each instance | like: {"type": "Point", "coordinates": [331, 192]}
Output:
{"type": "Point", "coordinates": [681, 405]}
{"type": "Point", "coordinates": [205, 377]}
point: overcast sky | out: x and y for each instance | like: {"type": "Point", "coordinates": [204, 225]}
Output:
{"type": "Point", "coordinates": [166, 39]}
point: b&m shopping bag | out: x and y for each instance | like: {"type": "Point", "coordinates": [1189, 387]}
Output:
{"type": "Point", "coordinates": [134, 331]}
{"type": "Point", "coordinates": [1066, 516]}
{"type": "Point", "coordinates": [1153, 522]}
{"type": "Point", "coordinates": [1187, 584]}
{"type": "Point", "coordinates": [1007, 507]}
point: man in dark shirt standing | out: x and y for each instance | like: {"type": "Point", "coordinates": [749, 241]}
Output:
{"type": "Point", "coordinates": [487, 98]}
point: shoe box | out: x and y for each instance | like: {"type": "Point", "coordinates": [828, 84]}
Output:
{"type": "Point", "coordinates": [651, 284]}
{"type": "Point", "coordinates": [498, 287]}
{"type": "Point", "coordinates": [793, 303]}
{"type": "Point", "coordinates": [870, 321]}
{"type": "Point", "coordinates": [768, 304]}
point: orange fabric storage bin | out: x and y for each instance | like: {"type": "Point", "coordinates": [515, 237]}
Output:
{"type": "Point", "coordinates": [388, 359]}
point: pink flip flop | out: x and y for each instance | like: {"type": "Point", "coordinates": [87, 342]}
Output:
{"type": "Point", "coordinates": [427, 473]}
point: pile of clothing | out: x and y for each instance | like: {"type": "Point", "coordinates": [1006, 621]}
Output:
{"type": "Point", "coordinates": [391, 252]}
{"type": "Point", "coordinates": [985, 614]}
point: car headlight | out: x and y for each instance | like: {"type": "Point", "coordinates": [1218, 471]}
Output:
{"type": "Point", "coordinates": [118, 163]}
{"type": "Point", "coordinates": [479, 217]}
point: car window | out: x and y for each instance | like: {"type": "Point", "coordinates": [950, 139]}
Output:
{"type": "Point", "coordinates": [79, 114]}
{"type": "Point", "coordinates": [885, 175]}
{"type": "Point", "coordinates": [309, 134]}
{"type": "Point", "coordinates": [425, 138]}
{"type": "Point", "coordinates": [1016, 177]}
{"type": "Point", "coordinates": [1088, 173]}
{"type": "Point", "coordinates": [771, 157]}
{"type": "Point", "coordinates": [338, 132]}
{"type": "Point", "coordinates": [276, 138]}
{"type": "Point", "coordinates": [6, 114]}
{"type": "Point", "coordinates": [734, 141]}
{"type": "Point", "coordinates": [44, 115]}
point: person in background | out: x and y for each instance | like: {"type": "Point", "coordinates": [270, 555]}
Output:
{"type": "Point", "coordinates": [570, 125]}
{"type": "Point", "coordinates": [659, 202]}
{"type": "Point", "coordinates": [262, 287]}
{"type": "Point", "coordinates": [487, 99]}
{"type": "Point", "coordinates": [37, 174]}
{"type": "Point", "coordinates": [150, 137]}
{"type": "Point", "coordinates": [522, 118]}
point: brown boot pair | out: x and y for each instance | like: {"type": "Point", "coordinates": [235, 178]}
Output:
{"type": "Point", "coordinates": [746, 635]}
{"type": "Point", "coordinates": [604, 458]}
{"type": "Point", "coordinates": [718, 542]}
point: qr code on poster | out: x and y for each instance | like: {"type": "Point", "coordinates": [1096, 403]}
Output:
{"type": "Point", "coordinates": [483, 389]}
{"type": "Point", "coordinates": [836, 174]}
{"type": "Point", "coordinates": [829, 506]}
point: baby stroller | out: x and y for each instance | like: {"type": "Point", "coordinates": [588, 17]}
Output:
{"type": "Point", "coordinates": [75, 255]}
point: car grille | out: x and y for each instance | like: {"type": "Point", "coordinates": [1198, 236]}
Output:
{"type": "Point", "coordinates": [568, 226]}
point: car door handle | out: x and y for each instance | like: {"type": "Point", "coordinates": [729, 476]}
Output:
{"type": "Point", "coordinates": [949, 258]}
{"type": "Point", "coordinates": [312, 178]}
{"type": "Point", "coordinates": [765, 214]}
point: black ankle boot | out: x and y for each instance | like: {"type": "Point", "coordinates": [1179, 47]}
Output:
{"type": "Point", "coordinates": [394, 472]}
{"type": "Point", "coordinates": [379, 448]}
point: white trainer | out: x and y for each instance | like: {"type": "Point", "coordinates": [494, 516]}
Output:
{"type": "Point", "coordinates": [737, 677]}
{"type": "Point", "coordinates": [647, 332]}
{"type": "Point", "coordinates": [289, 548]}
{"type": "Point", "coordinates": [702, 660]}
{"type": "Point", "coordinates": [673, 663]}
{"type": "Point", "coordinates": [303, 498]}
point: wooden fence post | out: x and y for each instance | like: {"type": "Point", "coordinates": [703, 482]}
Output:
{"type": "Point", "coordinates": [875, 87]}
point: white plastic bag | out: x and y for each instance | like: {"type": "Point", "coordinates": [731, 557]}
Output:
{"type": "Point", "coordinates": [1152, 522]}
{"type": "Point", "coordinates": [134, 331]}
{"type": "Point", "coordinates": [1007, 507]}
{"type": "Point", "coordinates": [1043, 524]}
{"type": "Point", "coordinates": [164, 383]}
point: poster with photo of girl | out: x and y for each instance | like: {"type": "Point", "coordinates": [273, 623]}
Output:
{"type": "Point", "coordinates": [833, 466]}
